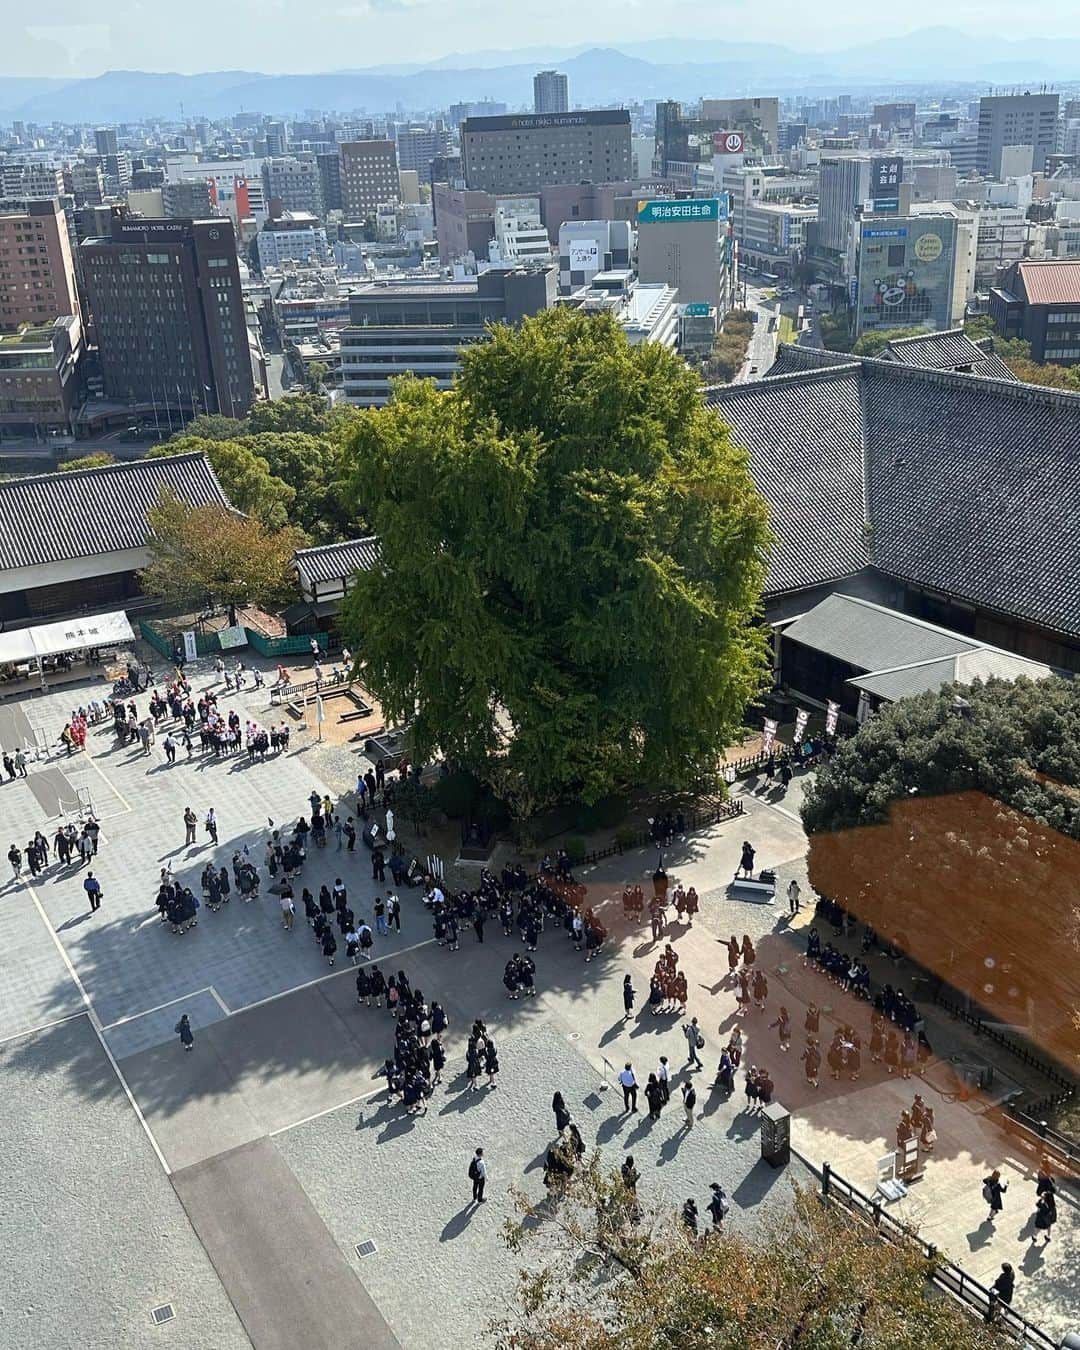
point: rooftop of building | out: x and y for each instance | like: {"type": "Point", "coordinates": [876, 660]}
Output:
{"type": "Point", "coordinates": [35, 335]}
{"type": "Point", "coordinates": [83, 513]}
{"type": "Point", "coordinates": [954, 481]}
{"type": "Point", "coordinates": [1051, 283]}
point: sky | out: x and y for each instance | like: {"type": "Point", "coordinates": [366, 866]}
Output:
{"type": "Point", "coordinates": [279, 36]}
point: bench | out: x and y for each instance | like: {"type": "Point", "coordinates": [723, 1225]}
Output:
{"type": "Point", "coordinates": [760, 891]}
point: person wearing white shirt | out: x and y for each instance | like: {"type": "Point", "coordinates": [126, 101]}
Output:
{"type": "Point", "coordinates": [629, 1088]}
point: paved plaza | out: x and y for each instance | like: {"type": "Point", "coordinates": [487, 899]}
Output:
{"type": "Point", "coordinates": [235, 1183]}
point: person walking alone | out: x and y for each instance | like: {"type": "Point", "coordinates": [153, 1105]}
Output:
{"type": "Point", "coordinates": [694, 1042]}
{"type": "Point", "coordinates": [628, 1083]}
{"type": "Point", "coordinates": [211, 825]}
{"type": "Point", "coordinates": [993, 1189]}
{"type": "Point", "coordinates": [627, 997]}
{"type": "Point", "coordinates": [478, 1176]}
{"type": "Point", "coordinates": [183, 1030]}
{"type": "Point", "coordinates": [92, 887]}
{"type": "Point", "coordinates": [793, 896]}
{"type": "Point", "coordinates": [689, 1101]}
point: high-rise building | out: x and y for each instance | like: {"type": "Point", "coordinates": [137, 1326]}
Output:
{"type": "Point", "coordinates": [292, 183]}
{"type": "Point", "coordinates": [39, 384]}
{"type": "Point", "coordinates": [105, 141]}
{"type": "Point", "coordinates": [551, 92]}
{"type": "Point", "coordinates": [277, 139]}
{"type": "Point", "coordinates": [169, 315]}
{"type": "Point", "coordinates": [369, 177]}
{"type": "Point", "coordinates": [189, 200]}
{"type": "Point", "coordinates": [757, 118]}
{"type": "Point", "coordinates": [525, 153]}
{"type": "Point", "coordinates": [906, 268]}
{"type": "Point", "coordinates": [295, 237]}
{"type": "Point", "coordinates": [37, 269]}
{"type": "Point", "coordinates": [685, 244]}
{"type": "Point", "coordinates": [844, 186]}
{"type": "Point", "coordinates": [418, 146]}
{"type": "Point", "coordinates": [894, 119]}
{"type": "Point", "coordinates": [1016, 119]}
{"type": "Point", "coordinates": [24, 179]}
{"type": "Point", "coordinates": [87, 184]}
{"type": "Point", "coordinates": [329, 165]}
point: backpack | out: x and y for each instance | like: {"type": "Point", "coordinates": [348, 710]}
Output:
{"type": "Point", "coordinates": [700, 1041]}
{"type": "Point", "coordinates": [473, 1170]}
{"type": "Point", "coordinates": [988, 1193]}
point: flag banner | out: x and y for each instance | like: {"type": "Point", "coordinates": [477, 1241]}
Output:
{"type": "Point", "coordinates": [801, 719]}
{"type": "Point", "coordinates": [769, 736]}
{"type": "Point", "coordinates": [320, 711]}
{"type": "Point", "coordinates": [832, 718]}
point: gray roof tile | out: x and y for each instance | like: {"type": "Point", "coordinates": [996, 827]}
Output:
{"type": "Point", "coordinates": [330, 562]}
{"type": "Point", "coordinates": [86, 512]}
{"type": "Point", "coordinates": [971, 483]}
{"type": "Point", "coordinates": [871, 637]}
{"type": "Point", "coordinates": [806, 458]}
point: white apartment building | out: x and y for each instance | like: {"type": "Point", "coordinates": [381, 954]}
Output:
{"type": "Point", "coordinates": [646, 311]}
{"type": "Point", "coordinates": [297, 236]}
{"type": "Point", "coordinates": [237, 184]}
{"type": "Point", "coordinates": [520, 234]}
{"type": "Point", "coordinates": [590, 246]}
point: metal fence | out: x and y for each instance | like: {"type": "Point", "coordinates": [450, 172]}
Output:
{"type": "Point", "coordinates": [945, 1274]}
{"type": "Point", "coordinates": [1056, 1145]}
{"type": "Point", "coordinates": [643, 838]}
{"type": "Point", "coordinates": [1022, 1052]}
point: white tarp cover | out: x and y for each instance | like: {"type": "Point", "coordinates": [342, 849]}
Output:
{"type": "Point", "coordinates": [69, 635]}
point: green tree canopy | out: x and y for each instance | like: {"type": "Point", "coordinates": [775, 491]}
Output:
{"type": "Point", "coordinates": [573, 555]}
{"type": "Point", "coordinates": [305, 412]}
{"type": "Point", "coordinates": [1018, 742]}
{"type": "Point", "coordinates": [205, 554]}
{"type": "Point", "coordinates": [609, 1271]}
{"type": "Point", "coordinates": [874, 343]}
{"type": "Point", "coordinates": [313, 467]}
{"type": "Point", "coordinates": [96, 459]}
{"type": "Point", "coordinates": [213, 427]}
{"type": "Point", "coordinates": [245, 476]}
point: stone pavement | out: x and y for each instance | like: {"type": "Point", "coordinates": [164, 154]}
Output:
{"type": "Point", "coordinates": [285, 1062]}
{"type": "Point", "coordinates": [92, 1235]}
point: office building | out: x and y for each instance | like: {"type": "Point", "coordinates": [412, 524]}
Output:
{"type": "Point", "coordinates": [844, 186]}
{"type": "Point", "coordinates": [235, 184]}
{"type": "Point", "coordinates": [169, 315]}
{"type": "Point", "coordinates": [32, 179]}
{"type": "Point", "coordinates": [1016, 119]}
{"type": "Point", "coordinates": [772, 236]}
{"type": "Point", "coordinates": [292, 183]}
{"type": "Point", "coordinates": [39, 378]}
{"type": "Point", "coordinates": [894, 121]}
{"type": "Point", "coordinates": [464, 222]}
{"type": "Point", "coordinates": [37, 266]}
{"type": "Point", "coordinates": [329, 165]}
{"type": "Point", "coordinates": [145, 202]}
{"type": "Point", "coordinates": [189, 200]}
{"type": "Point", "coordinates": [1040, 302]}
{"type": "Point", "coordinates": [417, 146]}
{"type": "Point", "coordinates": [686, 245]}
{"type": "Point", "coordinates": [645, 311]}
{"type": "Point", "coordinates": [295, 236]}
{"type": "Point", "coordinates": [87, 184]}
{"type": "Point", "coordinates": [551, 93]}
{"type": "Point", "coordinates": [105, 142]}
{"type": "Point", "coordinates": [525, 153]}
{"type": "Point", "coordinates": [399, 327]}
{"type": "Point", "coordinates": [458, 112]}
{"type": "Point", "coordinates": [408, 187]}
{"type": "Point", "coordinates": [757, 118]}
{"type": "Point", "coordinates": [369, 177]}
{"type": "Point", "coordinates": [905, 271]}
{"type": "Point", "coordinates": [277, 138]}
{"type": "Point", "coordinates": [587, 247]}
{"type": "Point", "coordinates": [519, 232]}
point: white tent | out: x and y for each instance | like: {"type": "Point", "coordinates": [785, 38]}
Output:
{"type": "Point", "coordinates": [69, 635]}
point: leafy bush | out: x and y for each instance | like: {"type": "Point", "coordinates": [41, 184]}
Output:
{"type": "Point", "coordinates": [626, 836]}
{"type": "Point", "coordinates": [603, 814]}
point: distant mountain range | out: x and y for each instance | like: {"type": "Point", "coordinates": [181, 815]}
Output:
{"type": "Point", "coordinates": [663, 68]}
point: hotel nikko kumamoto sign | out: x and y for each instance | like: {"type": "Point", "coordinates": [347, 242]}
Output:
{"type": "Point", "coordinates": [666, 210]}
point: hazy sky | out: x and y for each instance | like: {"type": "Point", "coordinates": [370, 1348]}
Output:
{"type": "Point", "coordinates": [280, 35]}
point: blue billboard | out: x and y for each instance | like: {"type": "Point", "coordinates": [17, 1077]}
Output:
{"type": "Point", "coordinates": [667, 210]}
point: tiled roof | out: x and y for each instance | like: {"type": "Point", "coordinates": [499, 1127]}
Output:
{"type": "Point", "coordinates": [871, 637]}
{"type": "Point", "coordinates": [86, 512]}
{"type": "Point", "coordinates": [806, 458]}
{"type": "Point", "coordinates": [901, 654]}
{"type": "Point", "coordinates": [1051, 283]}
{"type": "Point", "coordinates": [952, 350]}
{"type": "Point", "coordinates": [331, 562]}
{"type": "Point", "coordinates": [971, 483]}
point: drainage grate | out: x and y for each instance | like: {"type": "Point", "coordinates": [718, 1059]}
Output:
{"type": "Point", "coordinates": [367, 1248]}
{"type": "Point", "coordinates": [164, 1314]}
{"type": "Point", "coordinates": [593, 1101]}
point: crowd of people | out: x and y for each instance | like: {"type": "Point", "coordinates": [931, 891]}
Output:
{"type": "Point", "coordinates": [72, 845]}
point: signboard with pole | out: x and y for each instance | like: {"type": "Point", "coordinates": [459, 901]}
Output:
{"type": "Point", "coordinates": [801, 719]}
{"type": "Point", "coordinates": [832, 717]}
{"type": "Point", "coordinates": [769, 735]}
{"type": "Point", "coordinates": [320, 713]}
